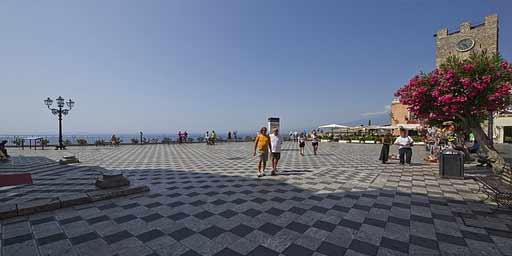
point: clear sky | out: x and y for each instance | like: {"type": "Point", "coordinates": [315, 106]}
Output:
{"type": "Point", "coordinates": [161, 66]}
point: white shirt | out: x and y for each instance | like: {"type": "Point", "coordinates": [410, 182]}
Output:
{"type": "Point", "coordinates": [404, 142]}
{"type": "Point", "coordinates": [275, 142]}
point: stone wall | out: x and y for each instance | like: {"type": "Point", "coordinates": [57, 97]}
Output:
{"type": "Point", "coordinates": [485, 36]}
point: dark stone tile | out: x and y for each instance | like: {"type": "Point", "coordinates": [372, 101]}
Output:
{"type": "Point", "coordinates": [242, 230]}
{"type": "Point", "coordinates": [178, 216]}
{"type": "Point", "coordinates": [70, 220]}
{"type": "Point", "coordinates": [262, 251]}
{"type": "Point", "coordinates": [297, 250]}
{"type": "Point", "coordinates": [84, 238]}
{"type": "Point", "coordinates": [51, 239]}
{"type": "Point", "coordinates": [152, 217]}
{"type": "Point", "coordinates": [298, 227]}
{"type": "Point", "coordinates": [394, 245]}
{"type": "Point", "coordinates": [323, 225]}
{"type": "Point", "coordinates": [218, 202]}
{"type": "Point", "coordinates": [228, 214]}
{"type": "Point", "coordinates": [252, 212]}
{"type": "Point", "coordinates": [319, 209]}
{"type": "Point", "coordinates": [125, 218]}
{"type": "Point", "coordinates": [107, 206]}
{"type": "Point", "coordinates": [451, 239]}
{"type": "Point", "coordinates": [476, 236]}
{"type": "Point", "coordinates": [176, 204]}
{"type": "Point", "coordinates": [190, 253]}
{"type": "Point", "coordinates": [329, 249]}
{"type": "Point", "coordinates": [275, 211]}
{"type": "Point", "coordinates": [150, 235]}
{"type": "Point", "coordinates": [181, 234]}
{"type": "Point", "coordinates": [424, 242]}
{"type": "Point", "coordinates": [203, 215]}
{"type": "Point", "coordinates": [258, 200]}
{"type": "Point", "coordinates": [17, 239]}
{"type": "Point", "coordinates": [97, 219]}
{"type": "Point", "coordinates": [375, 222]}
{"type": "Point", "coordinates": [362, 207]}
{"type": "Point", "coordinates": [270, 228]}
{"type": "Point", "coordinates": [239, 201]}
{"type": "Point", "coordinates": [116, 237]}
{"type": "Point", "coordinates": [297, 210]}
{"type": "Point", "coordinates": [363, 247]}
{"type": "Point", "coordinates": [422, 219]}
{"type": "Point", "coordinates": [212, 232]}
{"type": "Point", "coordinates": [340, 208]}
{"type": "Point", "coordinates": [41, 221]}
{"type": "Point", "coordinates": [227, 252]}
{"type": "Point", "coordinates": [130, 206]}
{"type": "Point", "coordinates": [399, 221]}
{"type": "Point", "coordinates": [153, 205]}
{"type": "Point", "coordinates": [198, 203]}
{"type": "Point", "coordinates": [350, 224]}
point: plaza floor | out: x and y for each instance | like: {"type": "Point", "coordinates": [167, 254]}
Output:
{"type": "Point", "coordinates": [207, 200]}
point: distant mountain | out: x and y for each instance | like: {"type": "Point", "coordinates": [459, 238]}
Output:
{"type": "Point", "coordinates": [381, 119]}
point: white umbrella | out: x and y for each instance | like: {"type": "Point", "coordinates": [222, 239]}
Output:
{"type": "Point", "coordinates": [334, 126]}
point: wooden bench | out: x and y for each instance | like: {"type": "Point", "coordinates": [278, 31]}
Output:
{"type": "Point", "coordinates": [498, 188]}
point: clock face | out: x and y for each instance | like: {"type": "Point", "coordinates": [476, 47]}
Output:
{"type": "Point", "coordinates": [465, 44]}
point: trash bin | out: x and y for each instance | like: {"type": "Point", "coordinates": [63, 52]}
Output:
{"type": "Point", "coordinates": [451, 164]}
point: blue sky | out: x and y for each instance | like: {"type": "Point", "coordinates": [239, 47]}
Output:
{"type": "Point", "coordinates": [161, 66]}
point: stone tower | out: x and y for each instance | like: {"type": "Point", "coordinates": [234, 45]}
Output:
{"type": "Point", "coordinates": [468, 38]}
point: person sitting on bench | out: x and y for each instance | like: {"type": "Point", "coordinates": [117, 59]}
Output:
{"type": "Point", "coordinates": [3, 150]}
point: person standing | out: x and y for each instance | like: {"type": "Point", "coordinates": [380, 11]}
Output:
{"type": "Point", "coordinates": [207, 138]}
{"type": "Point", "coordinates": [384, 152]}
{"type": "Point", "coordinates": [213, 137]}
{"type": "Point", "coordinates": [314, 142]}
{"type": "Point", "coordinates": [229, 135]}
{"type": "Point", "coordinates": [275, 141]}
{"type": "Point", "coordinates": [185, 136]}
{"type": "Point", "coordinates": [404, 143]}
{"type": "Point", "coordinates": [262, 145]}
{"type": "Point", "coordinates": [179, 137]}
{"type": "Point", "coordinates": [302, 143]}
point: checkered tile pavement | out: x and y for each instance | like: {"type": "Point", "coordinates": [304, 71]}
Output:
{"type": "Point", "coordinates": [206, 200]}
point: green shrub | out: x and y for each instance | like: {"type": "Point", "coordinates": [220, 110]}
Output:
{"type": "Point", "coordinates": [166, 140]}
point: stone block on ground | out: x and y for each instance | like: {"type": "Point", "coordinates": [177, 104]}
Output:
{"type": "Point", "coordinates": [39, 205]}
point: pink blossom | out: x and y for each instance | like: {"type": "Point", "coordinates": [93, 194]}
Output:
{"type": "Point", "coordinates": [467, 67]}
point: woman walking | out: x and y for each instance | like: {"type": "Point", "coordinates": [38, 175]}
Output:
{"type": "Point", "coordinates": [275, 141]}
{"type": "Point", "coordinates": [261, 146]}
{"type": "Point", "coordinates": [314, 142]}
{"type": "Point", "coordinates": [384, 152]}
{"type": "Point", "coordinates": [302, 143]}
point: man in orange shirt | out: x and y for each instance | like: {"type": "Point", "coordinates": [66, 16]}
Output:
{"type": "Point", "coordinates": [262, 146]}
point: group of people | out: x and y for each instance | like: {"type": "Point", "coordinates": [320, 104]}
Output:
{"type": "Point", "coordinates": [404, 143]}
{"type": "Point", "coordinates": [271, 144]}
{"type": "Point", "coordinates": [116, 141]}
{"type": "Point", "coordinates": [232, 135]}
{"type": "Point", "coordinates": [182, 137]}
{"type": "Point", "coordinates": [210, 137]}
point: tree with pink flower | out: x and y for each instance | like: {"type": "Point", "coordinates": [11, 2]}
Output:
{"type": "Point", "coordinates": [466, 91]}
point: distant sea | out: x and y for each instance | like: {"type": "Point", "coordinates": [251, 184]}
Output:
{"type": "Point", "coordinates": [125, 138]}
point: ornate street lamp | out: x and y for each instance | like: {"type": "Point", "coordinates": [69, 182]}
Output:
{"type": "Point", "coordinates": [59, 111]}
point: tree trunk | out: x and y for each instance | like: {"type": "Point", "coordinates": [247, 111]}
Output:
{"type": "Point", "coordinates": [487, 148]}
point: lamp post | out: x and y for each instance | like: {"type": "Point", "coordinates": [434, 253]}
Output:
{"type": "Point", "coordinates": [59, 111]}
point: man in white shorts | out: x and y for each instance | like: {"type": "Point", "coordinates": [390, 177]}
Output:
{"type": "Point", "coordinates": [275, 141]}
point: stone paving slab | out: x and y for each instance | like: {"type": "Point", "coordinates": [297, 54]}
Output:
{"type": "Point", "coordinates": [206, 200]}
